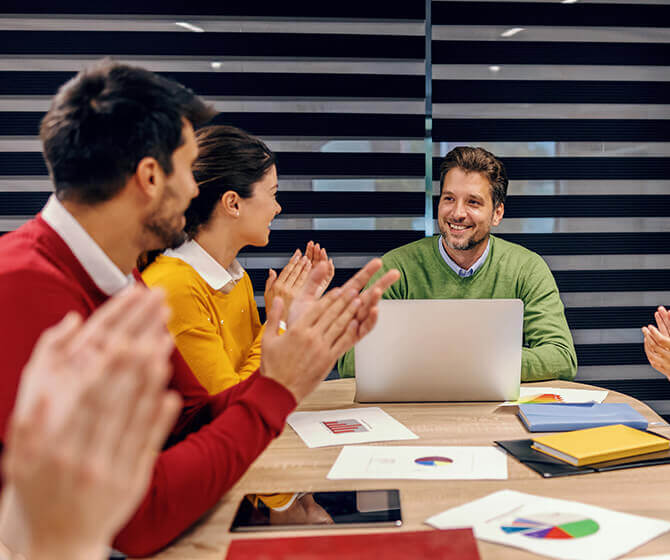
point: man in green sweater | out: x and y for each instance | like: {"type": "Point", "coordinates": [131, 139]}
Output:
{"type": "Point", "coordinates": [465, 261]}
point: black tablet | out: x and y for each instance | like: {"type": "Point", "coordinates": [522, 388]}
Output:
{"type": "Point", "coordinates": [318, 510]}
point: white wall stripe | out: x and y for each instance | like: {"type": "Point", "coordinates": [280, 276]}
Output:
{"type": "Point", "coordinates": [216, 64]}
{"type": "Point", "coordinates": [560, 149]}
{"type": "Point", "coordinates": [615, 299]}
{"type": "Point", "coordinates": [586, 187]}
{"type": "Point", "coordinates": [549, 111]}
{"type": "Point", "coordinates": [550, 72]}
{"type": "Point", "coordinates": [599, 373]}
{"type": "Point", "coordinates": [544, 33]}
{"type": "Point", "coordinates": [209, 24]}
{"type": "Point", "coordinates": [265, 105]}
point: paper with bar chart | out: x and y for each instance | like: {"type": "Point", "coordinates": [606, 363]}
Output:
{"type": "Point", "coordinates": [347, 426]}
{"type": "Point", "coordinates": [426, 463]}
{"type": "Point", "coordinates": [551, 527]}
{"type": "Point", "coordinates": [541, 394]}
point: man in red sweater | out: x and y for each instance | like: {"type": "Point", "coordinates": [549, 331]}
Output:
{"type": "Point", "coordinates": [119, 145]}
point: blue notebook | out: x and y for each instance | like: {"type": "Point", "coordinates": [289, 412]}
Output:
{"type": "Point", "coordinates": [566, 417]}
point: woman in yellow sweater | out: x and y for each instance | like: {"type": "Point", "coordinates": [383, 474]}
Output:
{"type": "Point", "coordinates": [215, 321]}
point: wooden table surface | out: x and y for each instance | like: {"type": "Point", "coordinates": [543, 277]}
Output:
{"type": "Point", "coordinates": [288, 465]}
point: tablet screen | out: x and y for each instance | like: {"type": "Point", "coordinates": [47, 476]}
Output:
{"type": "Point", "coordinates": [354, 508]}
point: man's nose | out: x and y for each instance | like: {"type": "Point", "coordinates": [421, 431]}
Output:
{"type": "Point", "coordinates": [458, 211]}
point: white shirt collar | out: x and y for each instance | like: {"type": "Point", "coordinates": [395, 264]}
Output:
{"type": "Point", "coordinates": [206, 266]}
{"type": "Point", "coordinates": [104, 273]}
{"type": "Point", "coordinates": [462, 272]}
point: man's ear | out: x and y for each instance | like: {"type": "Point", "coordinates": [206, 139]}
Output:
{"type": "Point", "coordinates": [498, 214]}
{"type": "Point", "coordinates": [150, 177]}
{"type": "Point", "coordinates": [230, 204]}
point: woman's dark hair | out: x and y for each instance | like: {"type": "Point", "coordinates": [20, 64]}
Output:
{"type": "Point", "coordinates": [229, 159]}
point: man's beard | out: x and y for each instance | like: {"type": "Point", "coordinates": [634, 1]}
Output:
{"type": "Point", "coordinates": [467, 245]}
{"type": "Point", "coordinates": [169, 236]}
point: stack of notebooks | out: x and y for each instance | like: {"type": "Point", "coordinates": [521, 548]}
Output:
{"type": "Point", "coordinates": [603, 437]}
{"type": "Point", "coordinates": [597, 445]}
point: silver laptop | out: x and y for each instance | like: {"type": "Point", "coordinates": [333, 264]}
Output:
{"type": "Point", "coordinates": [442, 350]}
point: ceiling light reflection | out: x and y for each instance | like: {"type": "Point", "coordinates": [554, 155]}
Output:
{"type": "Point", "coordinates": [511, 32]}
{"type": "Point", "coordinates": [190, 26]}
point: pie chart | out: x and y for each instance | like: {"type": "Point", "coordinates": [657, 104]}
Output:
{"type": "Point", "coordinates": [541, 399]}
{"type": "Point", "coordinates": [433, 461]}
{"type": "Point", "coordinates": [552, 526]}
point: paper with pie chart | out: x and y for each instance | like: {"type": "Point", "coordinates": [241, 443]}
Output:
{"type": "Point", "coordinates": [552, 527]}
{"type": "Point", "coordinates": [425, 463]}
{"type": "Point", "coordinates": [347, 426]}
{"type": "Point", "coordinates": [540, 394]}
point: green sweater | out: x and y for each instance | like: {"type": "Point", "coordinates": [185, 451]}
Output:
{"type": "Point", "coordinates": [510, 271]}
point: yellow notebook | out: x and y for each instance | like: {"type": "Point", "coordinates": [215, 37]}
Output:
{"type": "Point", "coordinates": [594, 445]}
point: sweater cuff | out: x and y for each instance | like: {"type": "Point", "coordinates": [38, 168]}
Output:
{"type": "Point", "coordinates": [278, 401]}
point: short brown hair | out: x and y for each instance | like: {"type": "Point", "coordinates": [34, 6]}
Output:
{"type": "Point", "coordinates": [471, 159]}
{"type": "Point", "coordinates": [105, 120]}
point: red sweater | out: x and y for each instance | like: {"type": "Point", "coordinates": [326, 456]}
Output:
{"type": "Point", "coordinates": [215, 439]}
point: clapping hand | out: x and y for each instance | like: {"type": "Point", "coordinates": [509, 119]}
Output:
{"type": "Point", "coordinates": [321, 329]}
{"type": "Point", "coordinates": [91, 415]}
{"type": "Point", "coordinates": [292, 278]}
{"type": "Point", "coordinates": [657, 342]}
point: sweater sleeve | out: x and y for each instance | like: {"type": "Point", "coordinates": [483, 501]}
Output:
{"type": "Point", "coordinates": [215, 439]}
{"type": "Point", "coordinates": [198, 338]}
{"type": "Point", "coordinates": [196, 335]}
{"type": "Point", "coordinates": [30, 303]}
{"type": "Point", "coordinates": [548, 351]}
{"type": "Point", "coordinates": [191, 477]}
{"type": "Point", "coordinates": [253, 359]}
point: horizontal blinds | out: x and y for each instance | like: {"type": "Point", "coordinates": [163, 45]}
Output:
{"type": "Point", "coordinates": [337, 91]}
{"type": "Point", "coordinates": [575, 99]}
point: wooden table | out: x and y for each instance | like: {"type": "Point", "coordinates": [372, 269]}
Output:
{"type": "Point", "coordinates": [288, 465]}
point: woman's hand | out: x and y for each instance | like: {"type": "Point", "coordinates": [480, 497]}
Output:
{"type": "Point", "coordinates": [288, 283]}
{"type": "Point", "coordinates": [316, 254]}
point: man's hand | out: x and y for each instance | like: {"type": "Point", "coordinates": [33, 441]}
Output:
{"type": "Point", "coordinates": [320, 330]}
{"type": "Point", "coordinates": [657, 348]}
{"type": "Point", "coordinates": [91, 415]}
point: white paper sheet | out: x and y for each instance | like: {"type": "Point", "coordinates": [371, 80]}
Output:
{"type": "Point", "coordinates": [429, 463]}
{"type": "Point", "coordinates": [347, 426]}
{"type": "Point", "coordinates": [557, 394]}
{"type": "Point", "coordinates": [528, 522]}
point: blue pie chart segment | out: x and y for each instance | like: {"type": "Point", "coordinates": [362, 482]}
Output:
{"type": "Point", "coordinates": [434, 461]}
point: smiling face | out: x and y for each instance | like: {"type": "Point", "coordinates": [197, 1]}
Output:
{"type": "Point", "coordinates": [465, 214]}
{"type": "Point", "coordinates": [258, 211]}
{"type": "Point", "coordinates": [166, 221]}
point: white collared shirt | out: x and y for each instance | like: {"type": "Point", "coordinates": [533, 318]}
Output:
{"type": "Point", "coordinates": [102, 270]}
{"type": "Point", "coordinates": [218, 277]}
{"type": "Point", "coordinates": [462, 272]}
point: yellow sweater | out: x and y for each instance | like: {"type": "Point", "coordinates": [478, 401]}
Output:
{"type": "Point", "coordinates": [218, 334]}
